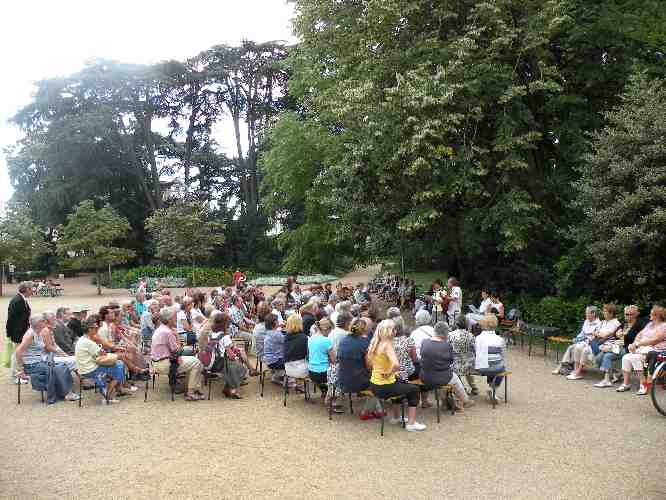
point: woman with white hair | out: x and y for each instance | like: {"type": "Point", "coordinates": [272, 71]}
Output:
{"type": "Point", "coordinates": [423, 330]}
{"type": "Point", "coordinates": [576, 351]}
{"type": "Point", "coordinates": [34, 349]}
{"type": "Point", "coordinates": [489, 355]}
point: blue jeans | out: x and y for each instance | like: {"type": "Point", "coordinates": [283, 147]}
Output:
{"type": "Point", "coordinates": [101, 373]}
{"type": "Point", "coordinates": [605, 359]}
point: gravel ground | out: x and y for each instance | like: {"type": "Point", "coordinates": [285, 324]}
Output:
{"type": "Point", "coordinates": [555, 439]}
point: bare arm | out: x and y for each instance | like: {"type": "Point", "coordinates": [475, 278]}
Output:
{"type": "Point", "coordinates": [20, 350]}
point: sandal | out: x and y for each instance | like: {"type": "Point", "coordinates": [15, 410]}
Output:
{"type": "Point", "coordinates": [193, 397]}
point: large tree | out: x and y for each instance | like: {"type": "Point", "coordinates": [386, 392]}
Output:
{"type": "Point", "coordinates": [185, 233]}
{"type": "Point", "coordinates": [86, 240]}
{"type": "Point", "coordinates": [22, 241]}
{"type": "Point", "coordinates": [622, 192]}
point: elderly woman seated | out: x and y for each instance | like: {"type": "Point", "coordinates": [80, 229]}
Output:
{"type": "Point", "coordinates": [93, 363]}
{"type": "Point", "coordinates": [462, 343]}
{"type": "Point", "coordinates": [437, 365]}
{"type": "Point", "coordinates": [651, 339]}
{"type": "Point", "coordinates": [489, 354]}
{"type": "Point", "coordinates": [274, 348]}
{"type": "Point", "coordinates": [34, 349]}
{"type": "Point", "coordinates": [579, 349]}
{"type": "Point", "coordinates": [236, 365]}
{"type": "Point", "coordinates": [423, 330]}
{"type": "Point", "coordinates": [604, 335]}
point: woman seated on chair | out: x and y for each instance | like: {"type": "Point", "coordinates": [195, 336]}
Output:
{"type": "Point", "coordinates": [462, 343]}
{"type": "Point", "coordinates": [437, 365]}
{"type": "Point", "coordinates": [259, 331]}
{"type": "Point", "coordinates": [651, 338]}
{"type": "Point", "coordinates": [95, 364]}
{"type": "Point", "coordinates": [34, 348]}
{"type": "Point", "coordinates": [320, 353]}
{"type": "Point", "coordinates": [382, 359]}
{"type": "Point", "coordinates": [489, 359]}
{"type": "Point", "coordinates": [605, 334]}
{"type": "Point", "coordinates": [575, 352]}
{"type": "Point", "coordinates": [295, 348]}
{"type": "Point", "coordinates": [352, 368]}
{"type": "Point", "coordinates": [274, 348]}
{"type": "Point", "coordinates": [236, 365]}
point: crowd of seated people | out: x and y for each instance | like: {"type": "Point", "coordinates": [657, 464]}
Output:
{"type": "Point", "coordinates": [336, 336]}
{"type": "Point", "coordinates": [602, 342]}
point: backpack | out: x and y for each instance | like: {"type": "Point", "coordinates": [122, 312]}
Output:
{"type": "Point", "coordinates": [211, 356]}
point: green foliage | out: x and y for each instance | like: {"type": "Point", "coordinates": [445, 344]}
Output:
{"type": "Point", "coordinates": [622, 195]}
{"type": "Point", "coordinates": [30, 275]}
{"type": "Point", "coordinates": [22, 241]}
{"type": "Point", "coordinates": [184, 232]}
{"type": "Point", "coordinates": [565, 314]}
{"type": "Point", "coordinates": [86, 241]}
{"type": "Point", "coordinates": [203, 276]}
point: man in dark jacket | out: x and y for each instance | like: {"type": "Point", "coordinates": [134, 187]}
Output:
{"type": "Point", "coordinates": [75, 323]}
{"type": "Point", "coordinates": [18, 318]}
{"type": "Point", "coordinates": [62, 334]}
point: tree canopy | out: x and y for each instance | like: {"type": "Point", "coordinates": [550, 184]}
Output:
{"type": "Point", "coordinates": [86, 240]}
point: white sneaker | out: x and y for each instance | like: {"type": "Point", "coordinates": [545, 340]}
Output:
{"type": "Point", "coordinates": [72, 396]}
{"type": "Point", "coordinates": [396, 421]}
{"type": "Point", "coordinates": [623, 388]}
{"type": "Point", "coordinates": [133, 388]}
{"type": "Point", "coordinates": [573, 376]}
{"type": "Point", "coordinates": [556, 371]}
{"type": "Point", "coordinates": [642, 391]}
{"type": "Point", "coordinates": [415, 427]}
{"type": "Point", "coordinates": [604, 383]}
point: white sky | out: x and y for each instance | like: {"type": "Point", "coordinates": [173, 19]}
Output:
{"type": "Point", "coordinates": [45, 38]}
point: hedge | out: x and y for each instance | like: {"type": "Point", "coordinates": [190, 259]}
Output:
{"type": "Point", "coordinates": [204, 276]}
{"type": "Point", "coordinates": [564, 313]}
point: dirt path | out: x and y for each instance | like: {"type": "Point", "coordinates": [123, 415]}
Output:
{"type": "Point", "coordinates": [555, 439]}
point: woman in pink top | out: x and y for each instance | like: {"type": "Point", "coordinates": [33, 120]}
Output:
{"type": "Point", "coordinates": [651, 338]}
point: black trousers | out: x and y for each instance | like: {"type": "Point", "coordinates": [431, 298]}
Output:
{"type": "Point", "coordinates": [319, 379]}
{"type": "Point", "coordinates": [411, 392]}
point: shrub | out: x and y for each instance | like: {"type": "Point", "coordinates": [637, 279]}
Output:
{"type": "Point", "coordinates": [30, 275]}
{"type": "Point", "coordinates": [171, 276]}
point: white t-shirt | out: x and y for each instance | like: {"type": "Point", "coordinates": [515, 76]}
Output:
{"type": "Point", "coordinates": [455, 304]}
{"type": "Point", "coordinates": [609, 326]}
{"type": "Point", "coordinates": [419, 335]}
{"type": "Point", "coordinates": [86, 352]}
{"type": "Point", "coordinates": [180, 317]}
{"type": "Point", "coordinates": [486, 304]}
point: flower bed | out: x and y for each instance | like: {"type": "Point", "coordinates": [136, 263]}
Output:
{"type": "Point", "coordinates": [302, 280]}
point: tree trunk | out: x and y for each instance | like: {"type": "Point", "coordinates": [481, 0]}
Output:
{"type": "Point", "coordinates": [2, 279]}
{"type": "Point", "coordinates": [189, 141]}
{"type": "Point", "coordinates": [150, 147]}
{"type": "Point", "coordinates": [99, 280]}
{"type": "Point", "coordinates": [193, 281]}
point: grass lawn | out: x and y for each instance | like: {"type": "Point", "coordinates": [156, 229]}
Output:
{"type": "Point", "coordinates": [424, 279]}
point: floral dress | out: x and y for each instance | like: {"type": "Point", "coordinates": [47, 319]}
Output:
{"type": "Point", "coordinates": [463, 346]}
{"type": "Point", "coordinates": [403, 346]}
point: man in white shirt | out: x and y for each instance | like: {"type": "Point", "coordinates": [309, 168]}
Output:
{"type": "Point", "coordinates": [455, 300]}
{"type": "Point", "coordinates": [184, 320]}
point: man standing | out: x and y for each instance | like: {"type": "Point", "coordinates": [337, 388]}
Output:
{"type": "Point", "coordinates": [12, 272]}
{"type": "Point", "coordinates": [455, 300]}
{"type": "Point", "coordinates": [18, 319]}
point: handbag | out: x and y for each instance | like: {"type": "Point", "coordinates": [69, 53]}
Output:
{"type": "Point", "coordinates": [109, 360]}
